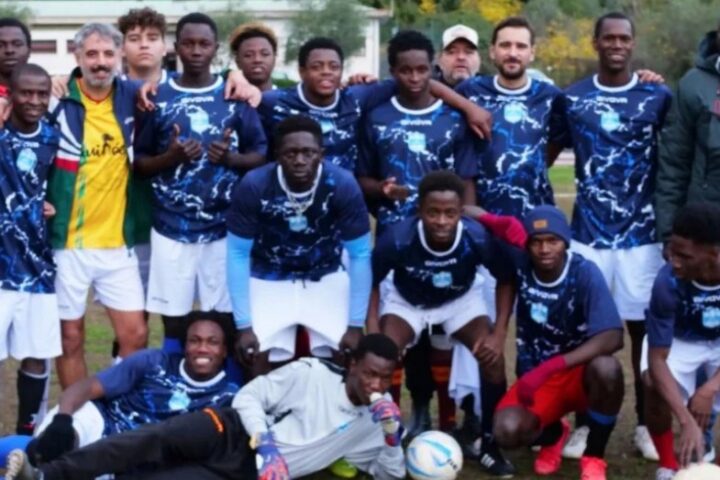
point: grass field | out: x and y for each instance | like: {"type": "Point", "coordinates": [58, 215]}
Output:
{"type": "Point", "coordinates": [623, 463]}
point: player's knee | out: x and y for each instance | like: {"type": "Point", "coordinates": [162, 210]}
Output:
{"type": "Point", "coordinates": [34, 366]}
{"type": "Point", "coordinates": [73, 337]}
{"type": "Point", "coordinates": [509, 428]}
{"type": "Point", "coordinates": [133, 335]}
{"type": "Point", "coordinates": [607, 372]}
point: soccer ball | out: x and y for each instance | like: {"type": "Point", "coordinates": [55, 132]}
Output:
{"type": "Point", "coordinates": [701, 471]}
{"type": "Point", "coordinates": [434, 455]}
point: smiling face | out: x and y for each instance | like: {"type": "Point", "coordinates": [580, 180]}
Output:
{"type": "Point", "coordinates": [30, 96]}
{"type": "Point", "coordinates": [256, 58]}
{"type": "Point", "coordinates": [512, 52]}
{"type": "Point", "coordinates": [322, 72]}
{"type": "Point", "coordinates": [98, 59]}
{"type": "Point", "coordinates": [614, 44]}
{"type": "Point", "coordinates": [440, 212]}
{"type": "Point", "coordinates": [205, 350]}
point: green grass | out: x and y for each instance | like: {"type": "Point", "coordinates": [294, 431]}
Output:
{"type": "Point", "coordinates": [562, 178]}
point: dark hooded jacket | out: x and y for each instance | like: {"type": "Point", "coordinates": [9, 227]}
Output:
{"type": "Point", "coordinates": [689, 156]}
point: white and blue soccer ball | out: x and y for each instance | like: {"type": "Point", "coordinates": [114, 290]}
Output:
{"type": "Point", "coordinates": [434, 455]}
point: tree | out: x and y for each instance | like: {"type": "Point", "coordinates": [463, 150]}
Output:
{"type": "Point", "coordinates": [8, 9]}
{"type": "Point", "coordinates": [227, 20]}
{"type": "Point", "coordinates": [341, 20]}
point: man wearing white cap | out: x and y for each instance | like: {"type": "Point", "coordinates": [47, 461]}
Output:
{"type": "Point", "coordinates": [459, 58]}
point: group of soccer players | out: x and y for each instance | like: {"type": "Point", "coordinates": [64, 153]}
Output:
{"type": "Point", "coordinates": [156, 191]}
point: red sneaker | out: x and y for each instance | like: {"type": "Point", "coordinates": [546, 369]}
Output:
{"type": "Point", "coordinates": [592, 468]}
{"type": "Point", "coordinates": [549, 459]}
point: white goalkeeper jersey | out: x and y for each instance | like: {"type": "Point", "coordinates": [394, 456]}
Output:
{"type": "Point", "coordinates": [314, 423]}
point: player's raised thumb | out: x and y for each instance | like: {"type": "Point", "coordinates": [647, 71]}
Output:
{"type": "Point", "coordinates": [175, 132]}
{"type": "Point", "coordinates": [227, 133]}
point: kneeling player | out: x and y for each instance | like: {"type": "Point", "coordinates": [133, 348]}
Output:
{"type": "Point", "coordinates": [567, 329]}
{"type": "Point", "coordinates": [683, 324]}
{"type": "Point", "coordinates": [434, 258]}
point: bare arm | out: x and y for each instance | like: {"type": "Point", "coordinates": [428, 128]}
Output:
{"type": "Point", "coordinates": [478, 119]}
{"type": "Point", "coordinates": [77, 394]}
{"type": "Point", "coordinates": [604, 343]}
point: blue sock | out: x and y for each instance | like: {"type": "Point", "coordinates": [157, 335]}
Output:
{"type": "Point", "coordinates": [172, 345]}
{"type": "Point", "coordinates": [10, 443]}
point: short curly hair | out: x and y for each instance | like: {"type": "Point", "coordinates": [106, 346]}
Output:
{"type": "Point", "coordinates": [143, 18]}
{"type": "Point", "coordinates": [252, 30]}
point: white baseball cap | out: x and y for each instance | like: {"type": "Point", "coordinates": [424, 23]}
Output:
{"type": "Point", "coordinates": [457, 32]}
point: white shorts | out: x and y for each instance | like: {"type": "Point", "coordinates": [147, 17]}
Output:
{"type": "Point", "coordinates": [142, 252]}
{"type": "Point", "coordinates": [112, 273]}
{"type": "Point", "coordinates": [277, 307]}
{"type": "Point", "coordinates": [630, 274]}
{"type": "Point", "coordinates": [182, 272]}
{"type": "Point", "coordinates": [488, 291]}
{"type": "Point", "coordinates": [29, 325]}
{"type": "Point", "coordinates": [452, 316]}
{"type": "Point", "coordinates": [88, 423]}
{"type": "Point", "coordinates": [685, 360]}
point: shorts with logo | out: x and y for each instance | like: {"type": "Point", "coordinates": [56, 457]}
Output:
{"type": "Point", "coordinates": [685, 360]}
{"type": "Point", "coordinates": [452, 315]}
{"type": "Point", "coordinates": [29, 325]}
{"type": "Point", "coordinates": [181, 272]}
{"type": "Point", "coordinates": [629, 272]}
{"type": "Point", "coordinates": [278, 307]}
{"type": "Point", "coordinates": [112, 273]}
{"type": "Point", "coordinates": [561, 394]}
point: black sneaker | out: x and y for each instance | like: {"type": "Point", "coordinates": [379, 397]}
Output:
{"type": "Point", "coordinates": [492, 460]}
{"type": "Point", "coordinates": [420, 420]}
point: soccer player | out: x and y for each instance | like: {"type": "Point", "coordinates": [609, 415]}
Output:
{"type": "Point", "coordinates": [254, 46]}
{"type": "Point", "coordinates": [29, 318]}
{"type": "Point", "coordinates": [288, 224]}
{"type": "Point", "coordinates": [147, 387]}
{"type": "Point", "coordinates": [14, 49]}
{"type": "Point", "coordinates": [195, 146]}
{"type": "Point", "coordinates": [613, 122]}
{"type": "Point", "coordinates": [299, 419]}
{"type": "Point", "coordinates": [459, 58]}
{"type": "Point", "coordinates": [338, 111]}
{"type": "Point", "coordinates": [528, 115]}
{"type": "Point", "coordinates": [567, 330]}
{"type": "Point", "coordinates": [434, 259]}
{"type": "Point", "coordinates": [683, 337]}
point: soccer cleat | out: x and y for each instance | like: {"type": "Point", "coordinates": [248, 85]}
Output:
{"type": "Point", "coordinates": [644, 444]}
{"type": "Point", "coordinates": [549, 458]}
{"type": "Point", "coordinates": [343, 469]}
{"type": "Point", "coordinates": [663, 473]}
{"type": "Point", "coordinates": [492, 460]}
{"type": "Point", "coordinates": [18, 467]}
{"type": "Point", "coordinates": [592, 468]}
{"type": "Point", "coordinates": [575, 447]}
{"type": "Point", "coordinates": [420, 420]}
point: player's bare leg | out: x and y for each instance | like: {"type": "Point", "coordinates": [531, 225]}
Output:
{"type": "Point", "coordinates": [71, 365]}
{"type": "Point", "coordinates": [130, 329]}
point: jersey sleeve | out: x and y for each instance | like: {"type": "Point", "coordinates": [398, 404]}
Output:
{"type": "Point", "coordinates": [242, 217]}
{"type": "Point", "coordinates": [251, 134]}
{"type": "Point", "coordinates": [467, 149]}
{"type": "Point", "coordinates": [660, 315]}
{"type": "Point", "coordinates": [264, 395]}
{"type": "Point", "coordinates": [558, 131]}
{"type": "Point", "coordinates": [123, 377]}
{"type": "Point", "coordinates": [599, 306]}
{"type": "Point", "coordinates": [383, 256]}
{"type": "Point", "coordinates": [265, 112]}
{"type": "Point", "coordinates": [146, 143]}
{"type": "Point", "coordinates": [499, 259]}
{"type": "Point", "coordinates": [349, 204]}
{"type": "Point", "coordinates": [371, 95]}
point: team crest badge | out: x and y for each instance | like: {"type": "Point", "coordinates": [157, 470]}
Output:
{"type": "Point", "coordinates": [539, 313]}
{"type": "Point", "coordinates": [199, 121]}
{"type": "Point", "coordinates": [26, 160]}
{"type": "Point", "coordinates": [442, 279]}
{"type": "Point", "coordinates": [514, 112]}
{"type": "Point", "coordinates": [711, 317]}
{"type": "Point", "coordinates": [297, 223]}
{"type": "Point", "coordinates": [416, 142]}
{"type": "Point", "coordinates": [179, 400]}
{"type": "Point", "coordinates": [326, 125]}
{"type": "Point", "coordinates": [610, 121]}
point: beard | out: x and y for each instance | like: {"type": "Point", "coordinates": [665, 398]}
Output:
{"type": "Point", "coordinates": [511, 75]}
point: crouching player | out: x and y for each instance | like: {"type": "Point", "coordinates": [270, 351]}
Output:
{"type": "Point", "coordinates": [683, 324]}
{"type": "Point", "coordinates": [567, 329]}
{"type": "Point", "coordinates": [434, 257]}
{"type": "Point", "coordinates": [29, 319]}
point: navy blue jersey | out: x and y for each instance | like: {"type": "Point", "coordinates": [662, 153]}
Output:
{"type": "Point", "coordinates": [556, 318]}
{"type": "Point", "coordinates": [150, 386]}
{"type": "Point", "coordinates": [513, 170]}
{"type": "Point", "coordinates": [299, 238]}
{"type": "Point", "coordinates": [408, 144]}
{"type": "Point", "coordinates": [192, 198]}
{"type": "Point", "coordinates": [26, 260]}
{"type": "Point", "coordinates": [427, 278]}
{"type": "Point", "coordinates": [682, 309]}
{"type": "Point", "coordinates": [614, 135]}
{"type": "Point", "coordinates": [339, 121]}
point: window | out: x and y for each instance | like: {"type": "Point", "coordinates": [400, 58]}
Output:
{"type": "Point", "coordinates": [44, 46]}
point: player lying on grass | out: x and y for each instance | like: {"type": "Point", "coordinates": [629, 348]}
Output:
{"type": "Point", "coordinates": [298, 419]}
{"type": "Point", "coordinates": [567, 330]}
{"type": "Point", "coordinates": [434, 257]}
{"type": "Point", "coordinates": [683, 324]}
{"type": "Point", "coordinates": [147, 387]}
